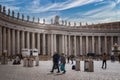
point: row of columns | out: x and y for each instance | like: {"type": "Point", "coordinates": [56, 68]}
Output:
{"type": "Point", "coordinates": [10, 40]}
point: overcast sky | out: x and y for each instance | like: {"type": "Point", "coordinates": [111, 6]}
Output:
{"type": "Point", "coordinates": [90, 11]}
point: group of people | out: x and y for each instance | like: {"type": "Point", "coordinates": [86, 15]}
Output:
{"type": "Point", "coordinates": [59, 60]}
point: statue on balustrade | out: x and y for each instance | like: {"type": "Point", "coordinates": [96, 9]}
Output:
{"type": "Point", "coordinates": [51, 21]}
{"type": "Point", "coordinates": [56, 20]}
{"type": "Point", "coordinates": [74, 24]}
{"type": "Point", "coordinates": [65, 23]}
{"type": "Point", "coordinates": [80, 24]}
{"type": "Point", "coordinates": [0, 8]}
{"type": "Point", "coordinates": [13, 13]}
{"type": "Point", "coordinates": [62, 22]}
{"type": "Point", "coordinates": [4, 11]}
{"type": "Point", "coordinates": [69, 24]}
{"type": "Point", "coordinates": [18, 15]}
{"type": "Point", "coordinates": [43, 21]}
{"type": "Point", "coordinates": [8, 12]}
{"type": "Point", "coordinates": [28, 17]}
{"type": "Point", "coordinates": [38, 20]}
{"type": "Point", "coordinates": [22, 17]}
{"type": "Point", "coordinates": [33, 19]}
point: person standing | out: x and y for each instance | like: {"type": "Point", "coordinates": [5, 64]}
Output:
{"type": "Point", "coordinates": [63, 62]}
{"type": "Point", "coordinates": [119, 57]}
{"type": "Point", "coordinates": [56, 57]}
{"type": "Point", "coordinates": [68, 58]}
{"type": "Point", "coordinates": [72, 58]}
{"type": "Point", "coordinates": [104, 63]}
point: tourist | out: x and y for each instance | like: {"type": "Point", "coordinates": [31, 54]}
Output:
{"type": "Point", "coordinates": [63, 62]}
{"type": "Point", "coordinates": [16, 60]}
{"type": "Point", "coordinates": [68, 58]}
{"type": "Point", "coordinates": [56, 57]}
{"type": "Point", "coordinates": [104, 57]}
{"type": "Point", "coordinates": [119, 57]}
{"type": "Point", "coordinates": [37, 61]}
{"type": "Point", "coordinates": [72, 58]}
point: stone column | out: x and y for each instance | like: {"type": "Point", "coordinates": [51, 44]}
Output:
{"type": "Point", "coordinates": [28, 40]}
{"type": "Point", "coordinates": [75, 45]}
{"type": "Point", "coordinates": [38, 42]}
{"type": "Point", "coordinates": [66, 44]}
{"type": "Point", "coordinates": [63, 49]}
{"type": "Point", "coordinates": [52, 45]}
{"type": "Point", "coordinates": [23, 39]}
{"type": "Point", "coordinates": [81, 45]}
{"type": "Point", "coordinates": [93, 44]}
{"type": "Point", "coordinates": [55, 43]}
{"type": "Point", "coordinates": [0, 40]}
{"type": "Point", "coordinates": [69, 45]}
{"type": "Point", "coordinates": [18, 42]}
{"type": "Point", "coordinates": [44, 44]}
{"type": "Point", "coordinates": [13, 42]}
{"type": "Point", "coordinates": [49, 44]}
{"type": "Point", "coordinates": [99, 45]}
{"type": "Point", "coordinates": [119, 41]}
{"type": "Point", "coordinates": [111, 44]}
{"type": "Point", "coordinates": [4, 38]}
{"type": "Point", "coordinates": [112, 41]}
{"type": "Point", "coordinates": [105, 44]}
{"type": "Point", "coordinates": [86, 44]}
{"type": "Point", "coordinates": [33, 40]}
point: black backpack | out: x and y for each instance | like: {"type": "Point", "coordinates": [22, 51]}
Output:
{"type": "Point", "coordinates": [73, 67]}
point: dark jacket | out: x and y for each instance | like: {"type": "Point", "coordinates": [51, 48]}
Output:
{"type": "Point", "coordinates": [56, 57]}
{"type": "Point", "coordinates": [63, 59]}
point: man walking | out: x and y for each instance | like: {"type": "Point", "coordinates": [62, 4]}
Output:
{"type": "Point", "coordinates": [56, 57]}
{"type": "Point", "coordinates": [104, 56]}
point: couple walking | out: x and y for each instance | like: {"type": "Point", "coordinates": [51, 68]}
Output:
{"type": "Point", "coordinates": [56, 59]}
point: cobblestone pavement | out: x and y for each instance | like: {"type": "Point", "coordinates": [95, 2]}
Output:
{"type": "Point", "coordinates": [42, 72]}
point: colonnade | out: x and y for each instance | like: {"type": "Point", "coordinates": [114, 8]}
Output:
{"type": "Point", "coordinates": [48, 43]}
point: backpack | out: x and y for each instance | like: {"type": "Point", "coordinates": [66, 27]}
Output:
{"type": "Point", "coordinates": [73, 67]}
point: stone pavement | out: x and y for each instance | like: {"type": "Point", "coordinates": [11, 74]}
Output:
{"type": "Point", "coordinates": [42, 72]}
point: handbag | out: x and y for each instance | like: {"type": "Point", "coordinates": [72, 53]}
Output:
{"type": "Point", "coordinates": [62, 67]}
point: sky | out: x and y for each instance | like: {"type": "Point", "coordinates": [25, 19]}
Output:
{"type": "Point", "coordinates": [84, 11]}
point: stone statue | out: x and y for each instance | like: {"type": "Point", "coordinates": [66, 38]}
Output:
{"type": "Point", "coordinates": [4, 11]}
{"type": "Point", "coordinates": [86, 24]}
{"type": "Point", "coordinates": [56, 20]}
{"type": "Point", "coordinates": [18, 14]}
{"type": "Point", "coordinates": [74, 23]}
{"type": "Point", "coordinates": [0, 8]}
{"type": "Point", "coordinates": [62, 22]}
{"type": "Point", "coordinates": [80, 24]}
{"type": "Point", "coordinates": [43, 21]}
{"type": "Point", "coordinates": [28, 17]}
{"type": "Point", "coordinates": [33, 19]}
{"type": "Point", "coordinates": [38, 20]}
{"type": "Point", "coordinates": [9, 12]}
{"type": "Point", "coordinates": [51, 21]}
{"type": "Point", "coordinates": [22, 17]}
{"type": "Point", "coordinates": [69, 24]}
{"type": "Point", "coordinates": [13, 13]}
{"type": "Point", "coordinates": [65, 23]}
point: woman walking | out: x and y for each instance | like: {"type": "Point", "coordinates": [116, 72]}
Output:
{"type": "Point", "coordinates": [63, 62]}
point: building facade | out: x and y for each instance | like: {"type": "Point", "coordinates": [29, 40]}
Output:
{"type": "Point", "coordinates": [18, 32]}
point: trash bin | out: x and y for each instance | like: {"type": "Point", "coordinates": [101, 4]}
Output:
{"type": "Point", "coordinates": [86, 65]}
{"type": "Point", "coordinates": [89, 66]}
{"type": "Point", "coordinates": [37, 61]}
{"type": "Point", "coordinates": [25, 62]}
{"type": "Point", "coordinates": [77, 68]}
{"type": "Point", "coordinates": [4, 60]}
{"type": "Point", "coordinates": [30, 62]}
